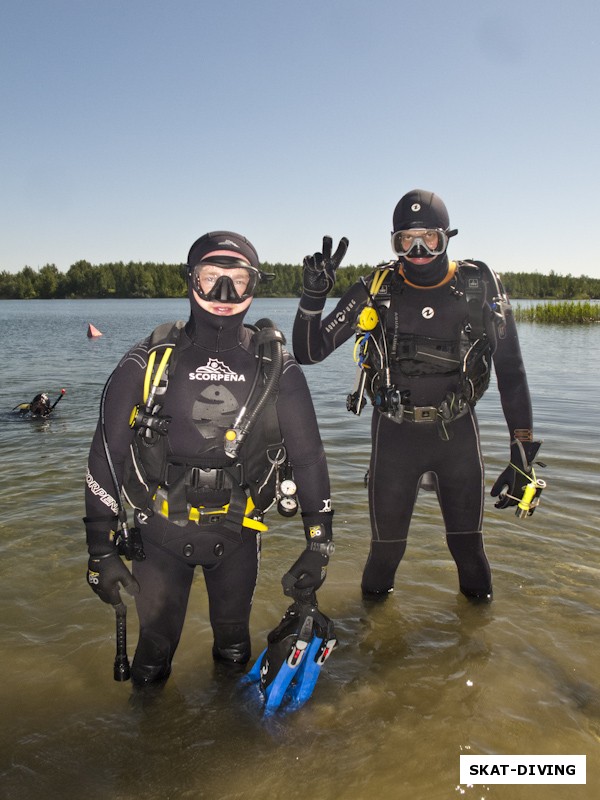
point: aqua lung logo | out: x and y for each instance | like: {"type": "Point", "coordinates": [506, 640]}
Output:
{"type": "Point", "coordinates": [340, 317]}
{"type": "Point", "coordinates": [230, 243]}
{"type": "Point", "coordinates": [215, 370]}
{"type": "Point", "coordinates": [427, 312]}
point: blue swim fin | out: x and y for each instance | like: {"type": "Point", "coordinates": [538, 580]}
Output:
{"type": "Point", "coordinates": [318, 651]}
{"type": "Point", "coordinates": [289, 666]}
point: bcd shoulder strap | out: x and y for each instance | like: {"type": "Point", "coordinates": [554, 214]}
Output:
{"type": "Point", "coordinates": [471, 278]}
{"type": "Point", "coordinates": [485, 289]}
{"type": "Point", "coordinates": [166, 335]}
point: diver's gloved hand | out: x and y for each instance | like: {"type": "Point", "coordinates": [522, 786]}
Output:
{"type": "Point", "coordinates": [509, 486]}
{"type": "Point", "coordinates": [308, 573]}
{"type": "Point", "coordinates": [105, 569]}
{"type": "Point", "coordinates": [319, 269]}
{"type": "Point", "coordinates": [105, 573]}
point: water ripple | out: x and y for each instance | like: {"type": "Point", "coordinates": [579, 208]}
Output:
{"type": "Point", "coordinates": [415, 681]}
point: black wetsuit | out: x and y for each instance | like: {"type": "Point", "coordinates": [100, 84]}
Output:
{"type": "Point", "coordinates": [215, 368]}
{"type": "Point", "coordinates": [403, 453]}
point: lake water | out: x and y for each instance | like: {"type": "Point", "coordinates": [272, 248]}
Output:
{"type": "Point", "coordinates": [415, 682]}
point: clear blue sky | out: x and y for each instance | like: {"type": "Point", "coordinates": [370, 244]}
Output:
{"type": "Point", "coordinates": [131, 127]}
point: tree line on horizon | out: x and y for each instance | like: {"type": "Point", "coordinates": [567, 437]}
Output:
{"type": "Point", "coordinates": [147, 280]}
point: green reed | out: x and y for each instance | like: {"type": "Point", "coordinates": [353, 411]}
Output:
{"type": "Point", "coordinates": [563, 313]}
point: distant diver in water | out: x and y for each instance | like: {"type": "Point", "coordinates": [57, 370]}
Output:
{"type": "Point", "coordinates": [40, 406]}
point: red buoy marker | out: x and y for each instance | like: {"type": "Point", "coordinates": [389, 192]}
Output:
{"type": "Point", "coordinates": [93, 332]}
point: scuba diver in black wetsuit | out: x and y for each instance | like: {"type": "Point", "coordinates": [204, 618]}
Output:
{"type": "Point", "coordinates": [40, 406]}
{"type": "Point", "coordinates": [427, 330]}
{"type": "Point", "coordinates": [203, 426]}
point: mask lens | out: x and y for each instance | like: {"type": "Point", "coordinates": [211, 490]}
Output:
{"type": "Point", "coordinates": [433, 241]}
{"type": "Point", "coordinates": [231, 285]}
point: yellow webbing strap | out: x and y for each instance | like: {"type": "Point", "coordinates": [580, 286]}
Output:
{"type": "Point", "coordinates": [195, 515]}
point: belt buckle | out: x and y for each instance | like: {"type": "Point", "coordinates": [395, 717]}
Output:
{"type": "Point", "coordinates": [205, 478]}
{"type": "Point", "coordinates": [209, 516]}
{"type": "Point", "coordinates": [425, 413]}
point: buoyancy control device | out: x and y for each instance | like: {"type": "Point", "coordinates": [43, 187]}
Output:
{"type": "Point", "coordinates": [377, 349]}
{"type": "Point", "coordinates": [233, 486]}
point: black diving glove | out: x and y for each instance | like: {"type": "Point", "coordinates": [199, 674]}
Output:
{"type": "Point", "coordinates": [308, 573]}
{"type": "Point", "coordinates": [509, 486]}
{"type": "Point", "coordinates": [319, 269]}
{"type": "Point", "coordinates": [105, 573]}
{"type": "Point", "coordinates": [105, 569]}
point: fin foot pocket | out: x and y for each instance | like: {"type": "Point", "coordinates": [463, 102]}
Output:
{"type": "Point", "coordinates": [288, 668]}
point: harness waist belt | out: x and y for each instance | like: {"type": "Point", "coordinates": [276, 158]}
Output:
{"type": "Point", "coordinates": [211, 516]}
{"type": "Point", "coordinates": [434, 413]}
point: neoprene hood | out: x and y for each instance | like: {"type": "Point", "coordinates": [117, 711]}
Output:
{"type": "Point", "coordinates": [421, 209]}
{"type": "Point", "coordinates": [222, 240]}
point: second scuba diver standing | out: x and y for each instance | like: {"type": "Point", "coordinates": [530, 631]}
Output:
{"type": "Point", "coordinates": [427, 331]}
{"type": "Point", "coordinates": [201, 426]}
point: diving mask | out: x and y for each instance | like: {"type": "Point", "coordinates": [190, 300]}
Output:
{"type": "Point", "coordinates": [419, 242]}
{"type": "Point", "coordinates": [223, 279]}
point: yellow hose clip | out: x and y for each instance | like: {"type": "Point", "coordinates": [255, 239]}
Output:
{"type": "Point", "coordinates": [150, 386]}
{"type": "Point", "coordinates": [133, 416]}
